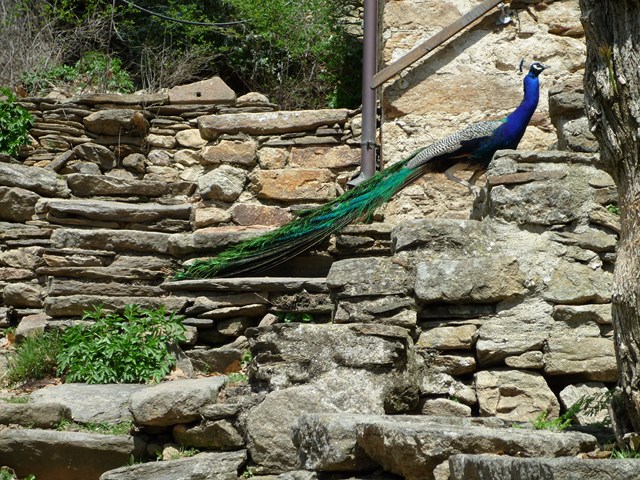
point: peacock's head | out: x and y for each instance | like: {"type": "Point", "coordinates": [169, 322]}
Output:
{"type": "Point", "coordinates": [535, 69]}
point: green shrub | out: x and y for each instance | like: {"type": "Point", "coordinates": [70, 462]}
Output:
{"type": "Point", "coordinates": [95, 71]}
{"type": "Point", "coordinates": [131, 347]}
{"type": "Point", "coordinates": [15, 123]}
{"type": "Point", "coordinates": [34, 358]}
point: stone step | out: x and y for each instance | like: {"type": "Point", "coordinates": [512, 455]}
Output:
{"type": "Point", "coordinates": [414, 446]}
{"type": "Point", "coordinates": [51, 454]}
{"type": "Point", "coordinates": [503, 467]}
{"type": "Point", "coordinates": [84, 185]}
{"type": "Point", "coordinates": [47, 414]}
{"type": "Point", "coordinates": [90, 403]}
{"type": "Point", "coordinates": [113, 214]}
{"type": "Point", "coordinates": [203, 466]}
{"type": "Point", "coordinates": [249, 284]}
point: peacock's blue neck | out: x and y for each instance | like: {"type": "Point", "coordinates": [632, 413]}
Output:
{"type": "Point", "coordinates": [516, 123]}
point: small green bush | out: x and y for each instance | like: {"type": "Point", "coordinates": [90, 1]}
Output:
{"type": "Point", "coordinates": [131, 347]}
{"type": "Point", "coordinates": [35, 358]}
{"type": "Point", "coordinates": [95, 71]}
{"type": "Point", "coordinates": [15, 123]}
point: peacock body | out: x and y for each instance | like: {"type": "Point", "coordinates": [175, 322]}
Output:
{"type": "Point", "coordinates": [469, 149]}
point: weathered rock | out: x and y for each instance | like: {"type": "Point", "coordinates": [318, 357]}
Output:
{"type": "Point", "coordinates": [68, 455]}
{"type": "Point", "coordinates": [216, 435]}
{"type": "Point", "coordinates": [357, 277]}
{"type": "Point", "coordinates": [97, 154]}
{"type": "Point", "coordinates": [90, 186]}
{"type": "Point", "coordinates": [207, 216]}
{"type": "Point", "coordinates": [23, 295]}
{"type": "Point", "coordinates": [267, 123]}
{"type": "Point", "coordinates": [595, 393]}
{"type": "Point", "coordinates": [28, 258]}
{"type": "Point", "coordinates": [433, 236]}
{"type": "Point", "coordinates": [203, 466]}
{"type": "Point", "coordinates": [454, 364]}
{"type": "Point", "coordinates": [161, 141]}
{"type": "Point", "coordinates": [352, 373]}
{"type": "Point", "coordinates": [115, 122]}
{"type": "Point", "coordinates": [486, 279]}
{"type": "Point", "coordinates": [529, 360]}
{"type": "Point", "coordinates": [254, 214]}
{"type": "Point", "coordinates": [190, 138]}
{"type": "Point", "coordinates": [120, 212]}
{"type": "Point", "coordinates": [503, 467]}
{"type": "Point", "coordinates": [327, 442]}
{"type": "Point", "coordinates": [90, 403]}
{"type": "Point", "coordinates": [111, 240]}
{"type": "Point", "coordinates": [414, 446]}
{"type": "Point", "coordinates": [31, 326]}
{"type": "Point", "coordinates": [388, 310]}
{"type": "Point", "coordinates": [134, 161]}
{"type": "Point", "coordinates": [448, 338]}
{"type": "Point", "coordinates": [228, 151]}
{"type": "Point", "coordinates": [175, 402]}
{"type": "Point", "coordinates": [17, 204]}
{"type": "Point", "coordinates": [215, 360]}
{"type": "Point", "coordinates": [301, 185]}
{"type": "Point", "coordinates": [575, 135]}
{"type": "Point", "coordinates": [76, 305]}
{"type": "Point", "coordinates": [595, 240]}
{"type": "Point", "coordinates": [438, 383]}
{"type": "Point", "coordinates": [224, 183]}
{"type": "Point", "coordinates": [586, 358]}
{"type": "Point", "coordinates": [514, 395]}
{"type": "Point", "coordinates": [211, 91]}
{"type": "Point", "coordinates": [443, 407]}
{"type": "Point", "coordinates": [342, 156]}
{"type": "Point", "coordinates": [38, 180]}
{"type": "Point", "coordinates": [572, 314]}
{"type": "Point", "coordinates": [30, 415]}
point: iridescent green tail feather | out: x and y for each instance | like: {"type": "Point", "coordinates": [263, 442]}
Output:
{"type": "Point", "coordinates": [308, 229]}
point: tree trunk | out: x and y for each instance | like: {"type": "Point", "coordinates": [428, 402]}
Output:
{"type": "Point", "coordinates": [612, 94]}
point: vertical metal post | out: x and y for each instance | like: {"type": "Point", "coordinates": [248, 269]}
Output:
{"type": "Point", "coordinates": [369, 115]}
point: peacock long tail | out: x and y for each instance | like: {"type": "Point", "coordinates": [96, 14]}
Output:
{"type": "Point", "coordinates": [471, 148]}
{"type": "Point", "coordinates": [308, 228]}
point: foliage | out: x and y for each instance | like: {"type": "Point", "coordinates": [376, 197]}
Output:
{"type": "Point", "coordinates": [16, 400]}
{"type": "Point", "coordinates": [236, 377]}
{"type": "Point", "coordinates": [95, 71]}
{"type": "Point", "coordinates": [618, 454]}
{"type": "Point", "coordinates": [15, 123]}
{"type": "Point", "coordinates": [559, 424]}
{"type": "Point", "coordinates": [588, 405]}
{"type": "Point", "coordinates": [295, 317]}
{"type": "Point", "coordinates": [127, 348]}
{"type": "Point", "coordinates": [34, 358]}
{"type": "Point", "coordinates": [122, 428]}
{"type": "Point", "coordinates": [7, 473]}
{"type": "Point", "coordinates": [300, 53]}
{"type": "Point", "coordinates": [611, 208]}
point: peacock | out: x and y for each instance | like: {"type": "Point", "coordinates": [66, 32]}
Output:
{"type": "Point", "coordinates": [469, 149]}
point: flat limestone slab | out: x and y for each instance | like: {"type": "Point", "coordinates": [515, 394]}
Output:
{"type": "Point", "coordinates": [502, 467]}
{"type": "Point", "coordinates": [413, 446]}
{"type": "Point", "coordinates": [90, 403]}
{"type": "Point", "coordinates": [50, 454]}
{"type": "Point", "coordinates": [267, 123]}
{"type": "Point", "coordinates": [204, 466]}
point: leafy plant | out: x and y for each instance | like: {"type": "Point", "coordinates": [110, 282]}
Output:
{"type": "Point", "coordinates": [94, 71]}
{"type": "Point", "coordinates": [624, 453]}
{"type": "Point", "coordinates": [293, 317]}
{"type": "Point", "coordinates": [7, 473]}
{"type": "Point", "coordinates": [559, 424]}
{"type": "Point", "coordinates": [34, 358]}
{"type": "Point", "coordinates": [611, 208]}
{"type": "Point", "coordinates": [121, 428]}
{"type": "Point", "coordinates": [15, 122]}
{"type": "Point", "coordinates": [127, 348]}
{"type": "Point", "coordinates": [236, 377]}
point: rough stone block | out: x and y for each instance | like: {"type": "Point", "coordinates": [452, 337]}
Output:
{"type": "Point", "coordinates": [587, 358]}
{"type": "Point", "coordinates": [211, 91]}
{"type": "Point", "coordinates": [17, 204]}
{"type": "Point", "coordinates": [301, 185]}
{"type": "Point", "coordinates": [514, 395]}
{"type": "Point", "coordinates": [175, 402]}
{"type": "Point", "coordinates": [486, 279]}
